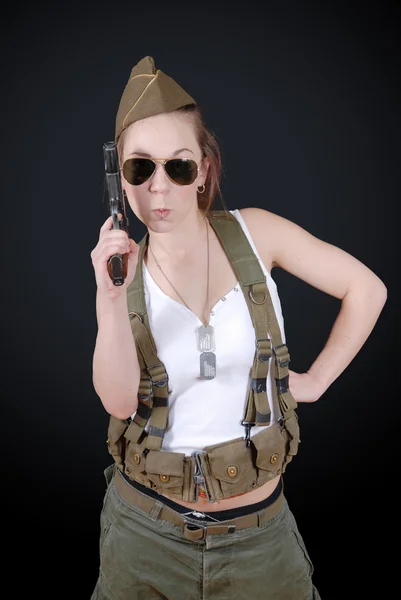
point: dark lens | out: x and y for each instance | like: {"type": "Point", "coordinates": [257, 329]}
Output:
{"type": "Point", "coordinates": [182, 171]}
{"type": "Point", "coordinates": [138, 170]}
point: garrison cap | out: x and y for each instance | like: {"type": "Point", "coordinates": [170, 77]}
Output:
{"type": "Point", "coordinates": [148, 92]}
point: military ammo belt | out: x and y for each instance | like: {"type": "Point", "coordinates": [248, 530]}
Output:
{"type": "Point", "coordinates": [222, 470]}
{"type": "Point", "coordinates": [193, 530]}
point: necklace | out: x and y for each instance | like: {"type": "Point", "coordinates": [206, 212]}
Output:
{"type": "Point", "coordinates": [205, 332]}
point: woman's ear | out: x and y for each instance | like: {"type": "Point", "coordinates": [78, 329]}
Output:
{"type": "Point", "coordinates": [203, 171]}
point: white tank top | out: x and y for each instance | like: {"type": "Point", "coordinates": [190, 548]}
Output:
{"type": "Point", "coordinates": [205, 412]}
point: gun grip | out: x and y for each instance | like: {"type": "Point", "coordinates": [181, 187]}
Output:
{"type": "Point", "coordinates": [117, 267]}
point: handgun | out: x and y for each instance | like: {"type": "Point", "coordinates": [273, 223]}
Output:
{"type": "Point", "coordinates": [117, 264]}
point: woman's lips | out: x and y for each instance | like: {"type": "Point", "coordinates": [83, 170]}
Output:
{"type": "Point", "coordinates": [162, 213]}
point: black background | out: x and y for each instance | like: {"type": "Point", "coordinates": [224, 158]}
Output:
{"type": "Point", "coordinates": [307, 93]}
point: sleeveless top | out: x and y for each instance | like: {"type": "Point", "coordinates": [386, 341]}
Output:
{"type": "Point", "coordinates": [206, 412]}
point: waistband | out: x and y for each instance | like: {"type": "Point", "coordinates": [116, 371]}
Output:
{"type": "Point", "coordinates": [191, 530]}
{"type": "Point", "coordinates": [221, 515]}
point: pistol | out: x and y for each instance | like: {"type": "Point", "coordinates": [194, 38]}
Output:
{"type": "Point", "coordinates": [117, 264]}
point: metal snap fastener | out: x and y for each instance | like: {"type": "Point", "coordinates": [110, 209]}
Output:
{"type": "Point", "coordinates": [137, 459]}
{"type": "Point", "coordinates": [164, 478]}
{"type": "Point", "coordinates": [232, 471]}
{"type": "Point", "coordinates": [127, 470]}
{"type": "Point", "coordinates": [254, 484]}
{"type": "Point", "coordinates": [274, 458]}
{"type": "Point", "coordinates": [108, 441]}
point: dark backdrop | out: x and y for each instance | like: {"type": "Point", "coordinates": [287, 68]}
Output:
{"type": "Point", "coordinates": [309, 95]}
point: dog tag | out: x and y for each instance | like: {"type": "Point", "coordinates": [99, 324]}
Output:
{"type": "Point", "coordinates": [207, 365]}
{"type": "Point", "coordinates": [205, 338]}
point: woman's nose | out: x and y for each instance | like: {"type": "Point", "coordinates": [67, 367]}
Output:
{"type": "Point", "coordinates": [159, 180]}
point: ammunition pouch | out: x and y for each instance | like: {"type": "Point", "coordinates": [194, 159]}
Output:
{"type": "Point", "coordinates": [158, 470]}
{"type": "Point", "coordinates": [229, 469]}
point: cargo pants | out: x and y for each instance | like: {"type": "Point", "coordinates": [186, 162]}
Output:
{"type": "Point", "coordinates": [143, 557]}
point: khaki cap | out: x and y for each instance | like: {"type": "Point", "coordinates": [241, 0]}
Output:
{"type": "Point", "coordinates": [148, 92]}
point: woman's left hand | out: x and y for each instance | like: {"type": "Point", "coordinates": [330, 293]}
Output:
{"type": "Point", "coordinates": [303, 387]}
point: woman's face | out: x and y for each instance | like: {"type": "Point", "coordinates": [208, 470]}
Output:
{"type": "Point", "coordinates": [168, 135]}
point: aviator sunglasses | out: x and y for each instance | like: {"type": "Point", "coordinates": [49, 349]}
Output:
{"type": "Point", "coordinates": [181, 171]}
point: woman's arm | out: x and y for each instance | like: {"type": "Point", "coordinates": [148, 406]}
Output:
{"type": "Point", "coordinates": [282, 243]}
{"type": "Point", "coordinates": [116, 372]}
{"type": "Point", "coordinates": [360, 309]}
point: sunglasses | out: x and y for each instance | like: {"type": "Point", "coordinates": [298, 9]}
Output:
{"type": "Point", "coordinates": [181, 171]}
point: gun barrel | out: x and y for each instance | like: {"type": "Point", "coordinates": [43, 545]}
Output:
{"type": "Point", "coordinates": [110, 158]}
{"type": "Point", "coordinates": [112, 169]}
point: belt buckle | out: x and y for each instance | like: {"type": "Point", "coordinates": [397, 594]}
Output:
{"type": "Point", "coordinates": [193, 527]}
{"type": "Point", "coordinates": [208, 527]}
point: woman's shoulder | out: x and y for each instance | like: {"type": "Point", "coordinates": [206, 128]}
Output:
{"type": "Point", "coordinates": [259, 218]}
{"type": "Point", "coordinates": [280, 240]}
{"type": "Point", "coordinates": [283, 243]}
{"type": "Point", "coordinates": [262, 227]}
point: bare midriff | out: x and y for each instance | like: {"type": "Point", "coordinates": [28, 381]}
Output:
{"type": "Point", "coordinates": [252, 497]}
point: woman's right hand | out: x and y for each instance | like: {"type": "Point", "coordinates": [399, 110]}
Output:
{"type": "Point", "coordinates": [113, 241]}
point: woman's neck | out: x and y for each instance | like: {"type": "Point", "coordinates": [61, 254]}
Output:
{"type": "Point", "coordinates": [180, 243]}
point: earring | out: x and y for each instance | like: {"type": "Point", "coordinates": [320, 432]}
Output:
{"type": "Point", "coordinates": [201, 191]}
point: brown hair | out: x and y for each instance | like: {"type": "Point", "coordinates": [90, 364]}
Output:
{"type": "Point", "coordinates": [210, 149]}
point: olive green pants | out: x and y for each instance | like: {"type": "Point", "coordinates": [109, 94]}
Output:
{"type": "Point", "coordinates": [145, 558]}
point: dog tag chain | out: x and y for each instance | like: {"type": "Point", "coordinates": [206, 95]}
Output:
{"type": "Point", "coordinates": [204, 333]}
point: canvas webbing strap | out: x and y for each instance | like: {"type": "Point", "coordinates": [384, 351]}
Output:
{"type": "Point", "coordinates": [267, 331]}
{"type": "Point", "coordinates": [153, 388]}
{"type": "Point", "coordinates": [153, 391]}
{"type": "Point", "coordinates": [252, 281]}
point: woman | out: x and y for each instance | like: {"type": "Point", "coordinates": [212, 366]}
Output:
{"type": "Point", "coordinates": [195, 374]}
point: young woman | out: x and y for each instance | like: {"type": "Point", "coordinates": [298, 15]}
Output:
{"type": "Point", "coordinates": [194, 506]}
